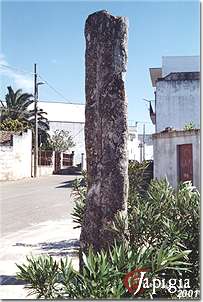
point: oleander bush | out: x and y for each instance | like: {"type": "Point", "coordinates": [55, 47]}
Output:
{"type": "Point", "coordinates": [162, 236]}
{"type": "Point", "coordinates": [103, 273]}
{"type": "Point", "coordinates": [79, 193]}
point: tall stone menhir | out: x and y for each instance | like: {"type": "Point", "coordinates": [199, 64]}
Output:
{"type": "Point", "coordinates": [105, 127]}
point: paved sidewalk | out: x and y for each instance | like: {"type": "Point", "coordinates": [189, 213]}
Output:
{"type": "Point", "coordinates": [35, 218]}
{"type": "Point", "coordinates": [54, 237]}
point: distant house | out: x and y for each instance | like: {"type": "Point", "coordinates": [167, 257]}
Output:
{"type": "Point", "coordinates": [145, 146]}
{"type": "Point", "coordinates": [133, 144]}
{"type": "Point", "coordinates": [140, 146]}
{"type": "Point", "coordinates": [69, 117]}
{"type": "Point", "coordinates": [177, 105]}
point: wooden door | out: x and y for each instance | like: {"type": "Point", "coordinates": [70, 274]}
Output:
{"type": "Point", "coordinates": [185, 166]}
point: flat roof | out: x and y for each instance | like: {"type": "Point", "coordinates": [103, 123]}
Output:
{"type": "Point", "coordinates": [63, 112]}
{"type": "Point", "coordinates": [155, 73]}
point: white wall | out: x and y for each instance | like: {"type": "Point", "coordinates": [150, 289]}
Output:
{"type": "Point", "coordinates": [149, 152]}
{"type": "Point", "coordinates": [165, 154]}
{"type": "Point", "coordinates": [180, 64]}
{"type": "Point", "coordinates": [45, 170]}
{"type": "Point", "coordinates": [15, 160]}
{"type": "Point", "coordinates": [60, 111]}
{"type": "Point", "coordinates": [77, 132]}
{"type": "Point", "coordinates": [177, 103]}
{"type": "Point", "coordinates": [133, 150]}
{"type": "Point", "coordinates": [133, 143]}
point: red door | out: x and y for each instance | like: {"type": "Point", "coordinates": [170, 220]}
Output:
{"type": "Point", "coordinates": [185, 166]}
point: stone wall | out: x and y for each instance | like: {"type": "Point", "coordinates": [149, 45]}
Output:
{"type": "Point", "coordinates": [15, 159]}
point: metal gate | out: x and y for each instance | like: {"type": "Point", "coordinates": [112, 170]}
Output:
{"type": "Point", "coordinates": [68, 159]}
{"type": "Point", "coordinates": [185, 167]}
{"type": "Point", "coordinates": [57, 162]}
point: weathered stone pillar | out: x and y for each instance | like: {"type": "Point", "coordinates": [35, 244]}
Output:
{"type": "Point", "coordinates": [105, 126]}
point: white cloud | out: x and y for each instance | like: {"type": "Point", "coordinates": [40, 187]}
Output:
{"type": "Point", "coordinates": [21, 80]}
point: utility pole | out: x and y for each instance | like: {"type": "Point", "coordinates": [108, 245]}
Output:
{"type": "Point", "coordinates": [36, 122]}
{"type": "Point", "coordinates": [143, 142]}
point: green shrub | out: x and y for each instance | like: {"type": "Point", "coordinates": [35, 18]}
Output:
{"type": "Point", "coordinates": [103, 273]}
{"type": "Point", "coordinates": [79, 193]}
{"type": "Point", "coordinates": [163, 236]}
{"type": "Point", "coordinates": [13, 125]}
{"type": "Point", "coordinates": [156, 213]}
{"type": "Point", "coordinates": [46, 277]}
{"type": "Point", "coordinates": [140, 175]}
{"type": "Point", "coordinates": [189, 126]}
{"type": "Point", "coordinates": [164, 214]}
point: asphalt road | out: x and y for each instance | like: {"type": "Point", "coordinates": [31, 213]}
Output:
{"type": "Point", "coordinates": [28, 202]}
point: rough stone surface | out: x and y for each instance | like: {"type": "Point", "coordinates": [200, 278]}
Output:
{"type": "Point", "coordinates": [105, 126]}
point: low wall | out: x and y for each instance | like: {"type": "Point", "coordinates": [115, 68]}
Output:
{"type": "Point", "coordinates": [15, 157]}
{"type": "Point", "coordinates": [45, 170]}
{"type": "Point", "coordinates": [166, 158]}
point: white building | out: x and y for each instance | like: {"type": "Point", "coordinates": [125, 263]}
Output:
{"type": "Point", "coordinates": [177, 92]}
{"type": "Point", "coordinates": [133, 144]}
{"type": "Point", "coordinates": [145, 146]}
{"type": "Point", "coordinates": [177, 103]}
{"type": "Point", "coordinates": [69, 117]}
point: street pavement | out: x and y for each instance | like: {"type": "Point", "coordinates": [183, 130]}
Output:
{"type": "Point", "coordinates": [31, 201]}
{"type": "Point", "coordinates": [35, 218]}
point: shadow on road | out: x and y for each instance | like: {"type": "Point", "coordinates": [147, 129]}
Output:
{"type": "Point", "coordinates": [61, 248]}
{"type": "Point", "coordinates": [66, 184]}
{"type": "Point", "coordinates": [10, 280]}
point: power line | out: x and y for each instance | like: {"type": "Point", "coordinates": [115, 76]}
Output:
{"type": "Point", "coordinates": [139, 122]}
{"type": "Point", "coordinates": [31, 73]}
{"type": "Point", "coordinates": [54, 89]}
{"type": "Point", "coordinates": [16, 69]}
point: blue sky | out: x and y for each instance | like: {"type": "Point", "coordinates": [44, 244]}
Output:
{"type": "Point", "coordinates": [51, 33]}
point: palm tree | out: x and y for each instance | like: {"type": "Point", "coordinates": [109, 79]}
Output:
{"type": "Point", "coordinates": [16, 107]}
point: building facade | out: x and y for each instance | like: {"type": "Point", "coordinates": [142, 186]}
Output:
{"type": "Point", "coordinates": [133, 144]}
{"type": "Point", "coordinates": [68, 117]}
{"type": "Point", "coordinates": [177, 119]}
{"type": "Point", "coordinates": [177, 100]}
{"type": "Point", "coordinates": [177, 156]}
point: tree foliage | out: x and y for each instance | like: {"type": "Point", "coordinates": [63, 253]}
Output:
{"type": "Point", "coordinates": [189, 126]}
{"type": "Point", "coordinates": [61, 141]}
{"type": "Point", "coordinates": [13, 125]}
{"type": "Point", "coordinates": [17, 108]}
